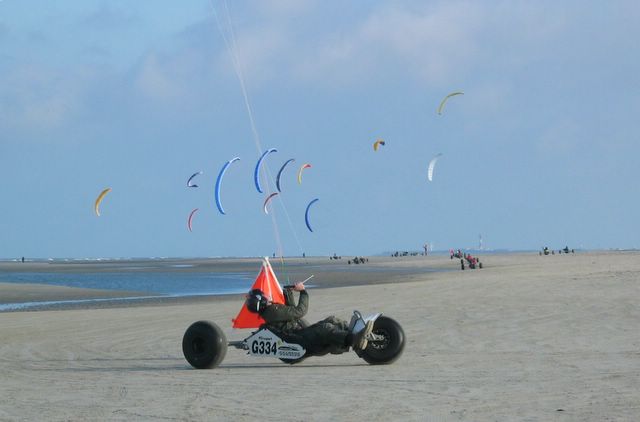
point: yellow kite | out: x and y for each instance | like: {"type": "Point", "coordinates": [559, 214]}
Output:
{"type": "Point", "coordinates": [96, 207]}
{"type": "Point", "coordinates": [444, 100]}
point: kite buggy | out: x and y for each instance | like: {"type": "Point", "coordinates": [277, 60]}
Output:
{"type": "Point", "coordinates": [205, 345]}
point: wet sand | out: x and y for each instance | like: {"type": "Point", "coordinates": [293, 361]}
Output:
{"type": "Point", "coordinates": [549, 338]}
{"type": "Point", "coordinates": [327, 274]}
{"type": "Point", "coordinates": [21, 293]}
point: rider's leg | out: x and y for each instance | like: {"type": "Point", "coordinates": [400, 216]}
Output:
{"type": "Point", "coordinates": [324, 334]}
{"type": "Point", "coordinates": [338, 322]}
{"type": "Point", "coordinates": [360, 339]}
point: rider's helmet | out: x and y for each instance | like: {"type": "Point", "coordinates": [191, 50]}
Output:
{"type": "Point", "coordinates": [256, 301]}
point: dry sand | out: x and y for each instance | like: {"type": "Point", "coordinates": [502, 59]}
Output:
{"type": "Point", "coordinates": [535, 338]}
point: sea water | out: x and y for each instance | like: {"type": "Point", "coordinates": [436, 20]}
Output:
{"type": "Point", "coordinates": [146, 282]}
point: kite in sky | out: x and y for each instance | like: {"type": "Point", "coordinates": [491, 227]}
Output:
{"type": "Point", "coordinates": [444, 100]}
{"type": "Point", "coordinates": [192, 185]}
{"type": "Point", "coordinates": [191, 218]}
{"type": "Point", "coordinates": [432, 165]}
{"type": "Point", "coordinates": [256, 173]}
{"type": "Point", "coordinates": [96, 206]}
{"type": "Point", "coordinates": [280, 173]}
{"type": "Point", "coordinates": [304, 166]}
{"type": "Point", "coordinates": [306, 214]}
{"type": "Point", "coordinates": [219, 183]}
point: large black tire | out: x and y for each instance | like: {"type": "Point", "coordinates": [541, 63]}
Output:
{"type": "Point", "coordinates": [389, 350]}
{"type": "Point", "coordinates": [204, 345]}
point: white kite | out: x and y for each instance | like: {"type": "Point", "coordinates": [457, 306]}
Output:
{"type": "Point", "coordinates": [432, 165]}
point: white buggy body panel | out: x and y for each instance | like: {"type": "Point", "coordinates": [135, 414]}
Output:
{"type": "Point", "coordinates": [265, 343]}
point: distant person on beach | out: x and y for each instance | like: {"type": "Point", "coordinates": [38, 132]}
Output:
{"type": "Point", "coordinates": [288, 319]}
{"type": "Point", "coordinates": [23, 259]}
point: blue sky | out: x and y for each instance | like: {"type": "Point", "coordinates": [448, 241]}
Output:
{"type": "Point", "coordinates": [540, 150]}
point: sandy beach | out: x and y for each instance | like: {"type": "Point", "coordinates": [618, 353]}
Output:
{"type": "Point", "coordinates": [527, 338]}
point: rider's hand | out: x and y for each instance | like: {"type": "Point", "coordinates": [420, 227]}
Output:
{"type": "Point", "coordinates": [298, 287]}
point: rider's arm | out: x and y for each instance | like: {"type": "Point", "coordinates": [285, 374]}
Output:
{"type": "Point", "coordinates": [288, 297]}
{"type": "Point", "coordinates": [283, 313]}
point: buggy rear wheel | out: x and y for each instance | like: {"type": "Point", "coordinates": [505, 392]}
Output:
{"type": "Point", "coordinates": [390, 346]}
{"type": "Point", "coordinates": [204, 345]}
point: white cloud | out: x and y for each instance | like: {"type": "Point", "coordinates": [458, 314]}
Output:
{"type": "Point", "coordinates": [433, 43]}
{"type": "Point", "coordinates": [430, 43]}
{"type": "Point", "coordinates": [156, 81]}
{"type": "Point", "coordinates": [107, 17]}
{"type": "Point", "coordinates": [285, 8]}
{"type": "Point", "coordinates": [35, 98]}
{"type": "Point", "coordinates": [313, 42]}
{"type": "Point", "coordinates": [258, 52]}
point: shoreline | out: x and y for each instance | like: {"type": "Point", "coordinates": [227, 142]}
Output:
{"type": "Point", "coordinates": [26, 296]}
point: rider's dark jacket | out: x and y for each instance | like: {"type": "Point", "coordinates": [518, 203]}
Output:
{"type": "Point", "coordinates": [287, 317]}
{"type": "Point", "coordinates": [288, 320]}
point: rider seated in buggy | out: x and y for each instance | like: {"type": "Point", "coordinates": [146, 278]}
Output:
{"type": "Point", "coordinates": [332, 334]}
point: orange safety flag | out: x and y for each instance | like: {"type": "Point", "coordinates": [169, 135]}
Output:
{"type": "Point", "coordinates": [268, 283]}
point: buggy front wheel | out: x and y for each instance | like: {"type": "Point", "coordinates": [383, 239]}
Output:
{"type": "Point", "coordinates": [388, 344]}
